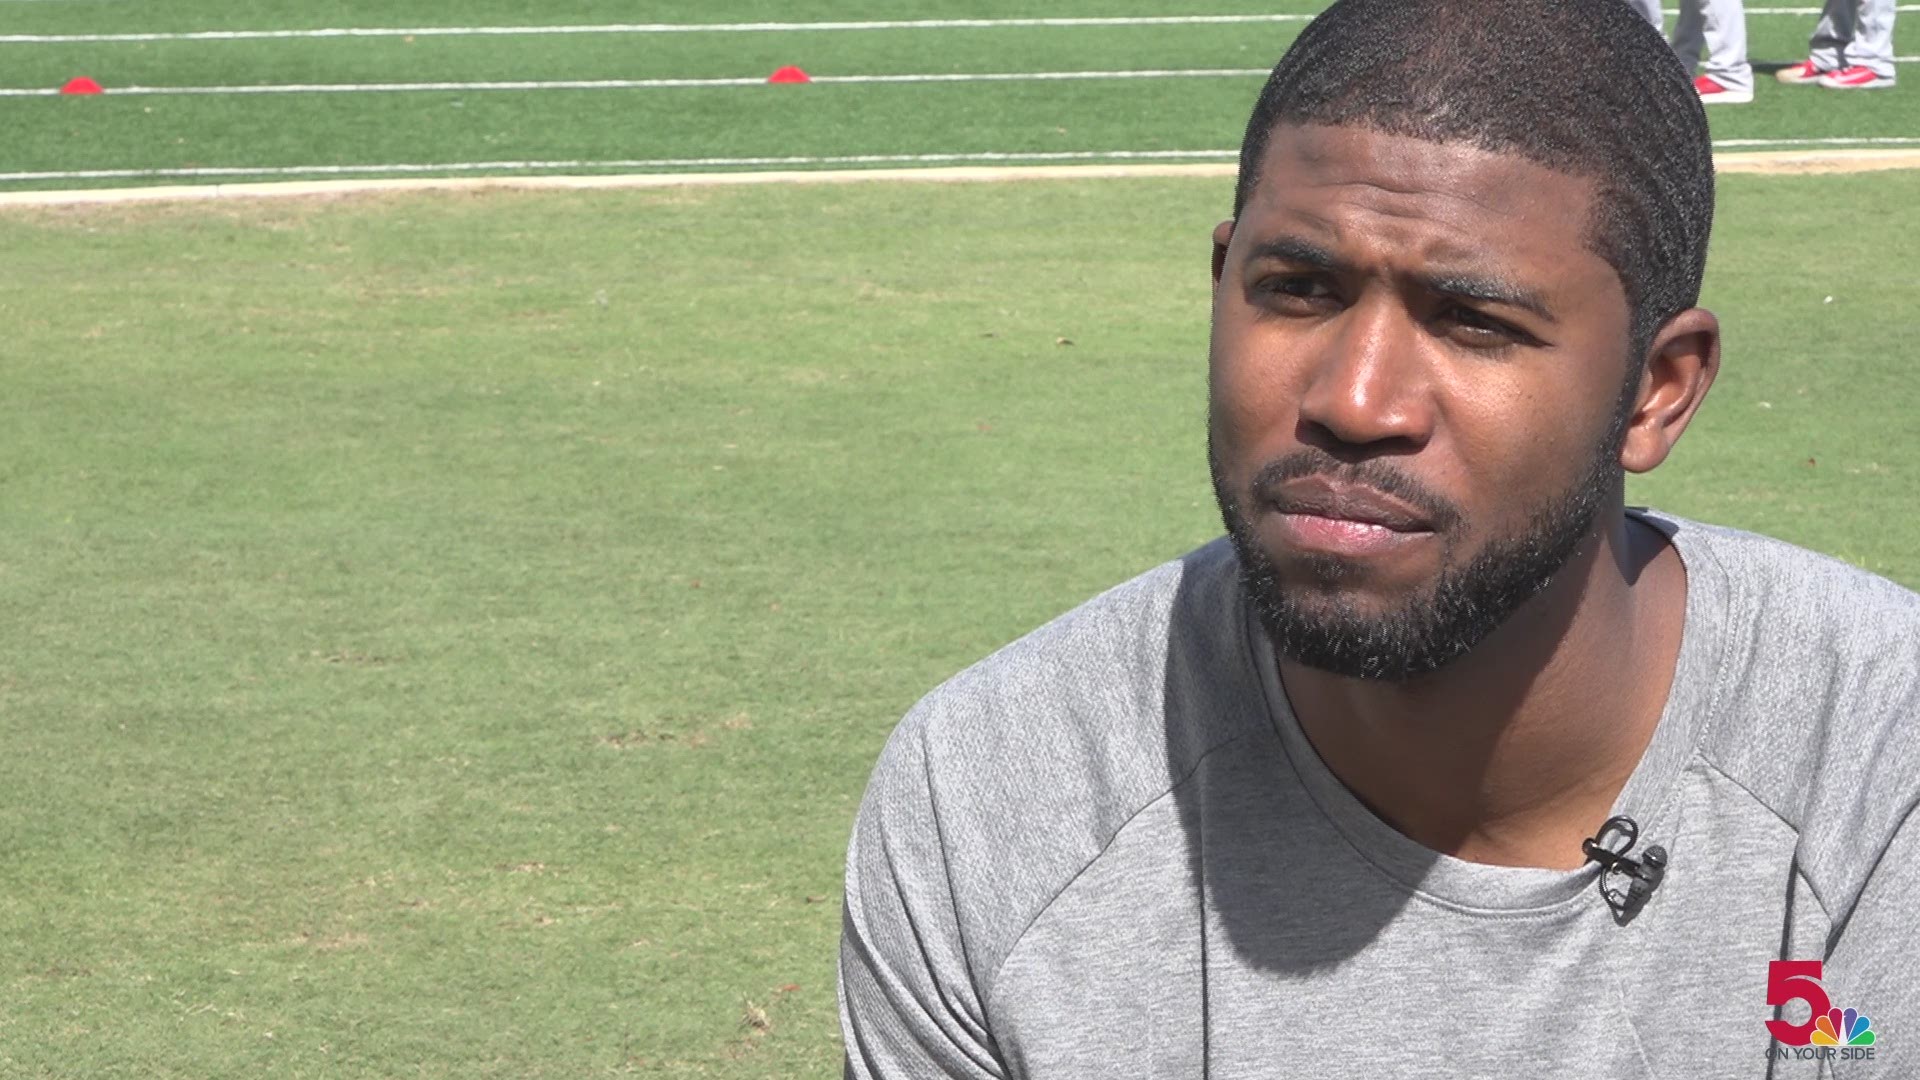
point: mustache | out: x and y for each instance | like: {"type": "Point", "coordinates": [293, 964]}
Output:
{"type": "Point", "coordinates": [1375, 473]}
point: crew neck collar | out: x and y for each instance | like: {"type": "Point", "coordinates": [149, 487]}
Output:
{"type": "Point", "coordinates": [1646, 796]}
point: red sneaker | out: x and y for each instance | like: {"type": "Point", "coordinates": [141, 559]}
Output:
{"type": "Point", "coordinates": [1712, 92]}
{"type": "Point", "coordinates": [1806, 71]}
{"type": "Point", "coordinates": [1855, 78]}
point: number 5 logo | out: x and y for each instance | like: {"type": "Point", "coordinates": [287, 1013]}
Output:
{"type": "Point", "coordinates": [1796, 980]}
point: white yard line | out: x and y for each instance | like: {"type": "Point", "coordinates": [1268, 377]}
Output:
{"type": "Point", "coordinates": [651, 84]}
{"type": "Point", "coordinates": [1866, 148]}
{"type": "Point", "coordinates": [631, 164]}
{"type": "Point", "coordinates": [1864, 140]}
{"type": "Point", "coordinates": [650, 28]}
{"type": "Point", "coordinates": [944, 174]}
{"type": "Point", "coordinates": [1791, 162]}
{"type": "Point", "coordinates": [715, 28]}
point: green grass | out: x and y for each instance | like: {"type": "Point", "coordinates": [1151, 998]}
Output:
{"type": "Point", "coordinates": [1810, 432]}
{"type": "Point", "coordinates": [52, 135]}
{"type": "Point", "coordinates": [128, 16]}
{"type": "Point", "coordinates": [448, 634]}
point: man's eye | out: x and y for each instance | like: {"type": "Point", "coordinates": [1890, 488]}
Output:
{"type": "Point", "coordinates": [1295, 287]}
{"type": "Point", "coordinates": [1477, 329]}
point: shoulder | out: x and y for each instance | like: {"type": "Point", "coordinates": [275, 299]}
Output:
{"type": "Point", "coordinates": [1802, 599]}
{"type": "Point", "coordinates": [1110, 653]}
{"type": "Point", "coordinates": [1816, 697]}
{"type": "Point", "coordinates": [1027, 764]}
{"type": "Point", "coordinates": [1808, 634]}
{"type": "Point", "coordinates": [1090, 685]}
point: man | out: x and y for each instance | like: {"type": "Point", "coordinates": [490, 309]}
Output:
{"type": "Point", "coordinates": [1443, 762]}
{"type": "Point", "coordinates": [1851, 49]}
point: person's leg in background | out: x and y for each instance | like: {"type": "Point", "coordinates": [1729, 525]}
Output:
{"type": "Point", "coordinates": [1719, 26]}
{"type": "Point", "coordinates": [1851, 47]}
{"type": "Point", "coordinates": [1831, 35]}
{"type": "Point", "coordinates": [1866, 61]}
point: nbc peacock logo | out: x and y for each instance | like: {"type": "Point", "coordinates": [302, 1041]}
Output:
{"type": "Point", "coordinates": [1842, 1027]}
{"type": "Point", "coordinates": [1828, 1032]}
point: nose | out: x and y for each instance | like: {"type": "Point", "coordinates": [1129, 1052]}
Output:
{"type": "Point", "coordinates": [1368, 392]}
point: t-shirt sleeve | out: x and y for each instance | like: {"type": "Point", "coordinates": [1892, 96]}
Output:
{"type": "Point", "coordinates": [1871, 956]}
{"type": "Point", "coordinates": [908, 1005]}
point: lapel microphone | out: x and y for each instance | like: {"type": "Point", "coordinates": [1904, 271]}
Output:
{"type": "Point", "coordinates": [1642, 874]}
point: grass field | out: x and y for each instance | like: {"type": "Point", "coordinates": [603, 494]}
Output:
{"type": "Point", "coordinates": [447, 634]}
{"type": "Point", "coordinates": [1194, 107]}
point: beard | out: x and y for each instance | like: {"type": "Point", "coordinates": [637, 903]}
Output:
{"type": "Point", "coordinates": [1311, 623]}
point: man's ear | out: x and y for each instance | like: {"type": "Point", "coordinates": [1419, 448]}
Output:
{"type": "Point", "coordinates": [1681, 363]}
{"type": "Point", "coordinates": [1222, 235]}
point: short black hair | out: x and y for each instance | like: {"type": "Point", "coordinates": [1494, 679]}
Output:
{"type": "Point", "coordinates": [1584, 87]}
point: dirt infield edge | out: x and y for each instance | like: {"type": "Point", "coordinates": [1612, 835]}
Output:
{"type": "Point", "coordinates": [1765, 163]}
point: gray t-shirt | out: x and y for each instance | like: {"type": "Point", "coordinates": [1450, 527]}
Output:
{"type": "Point", "coordinates": [1107, 850]}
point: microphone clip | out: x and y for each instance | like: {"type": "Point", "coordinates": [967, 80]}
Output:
{"type": "Point", "coordinates": [1643, 875]}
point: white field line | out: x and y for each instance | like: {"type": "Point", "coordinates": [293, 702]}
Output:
{"type": "Point", "coordinates": [939, 174]}
{"type": "Point", "coordinates": [667, 84]}
{"type": "Point", "coordinates": [650, 28]}
{"type": "Point", "coordinates": [1788, 163]}
{"type": "Point", "coordinates": [627, 164]}
{"type": "Point", "coordinates": [655, 84]}
{"type": "Point", "coordinates": [1841, 140]}
{"type": "Point", "coordinates": [715, 28]}
{"type": "Point", "coordinates": [1228, 156]}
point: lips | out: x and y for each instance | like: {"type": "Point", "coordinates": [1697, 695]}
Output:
{"type": "Point", "coordinates": [1320, 497]}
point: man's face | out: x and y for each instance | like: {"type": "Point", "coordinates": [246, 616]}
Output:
{"type": "Point", "coordinates": [1418, 382]}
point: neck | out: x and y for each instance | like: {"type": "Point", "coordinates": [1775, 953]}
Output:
{"type": "Point", "coordinates": [1515, 751]}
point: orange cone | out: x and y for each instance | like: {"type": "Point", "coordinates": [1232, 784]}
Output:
{"type": "Point", "coordinates": [81, 85]}
{"type": "Point", "coordinates": [789, 74]}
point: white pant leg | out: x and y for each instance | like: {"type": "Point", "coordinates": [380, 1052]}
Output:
{"type": "Point", "coordinates": [1649, 10]}
{"type": "Point", "coordinates": [1721, 26]}
{"type": "Point", "coordinates": [1872, 44]}
{"type": "Point", "coordinates": [1831, 35]}
{"type": "Point", "coordinates": [1726, 31]}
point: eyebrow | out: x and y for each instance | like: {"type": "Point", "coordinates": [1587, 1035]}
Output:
{"type": "Point", "coordinates": [1295, 250]}
{"type": "Point", "coordinates": [1485, 288]}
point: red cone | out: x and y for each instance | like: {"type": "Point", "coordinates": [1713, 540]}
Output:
{"type": "Point", "coordinates": [81, 85]}
{"type": "Point", "coordinates": [789, 74]}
